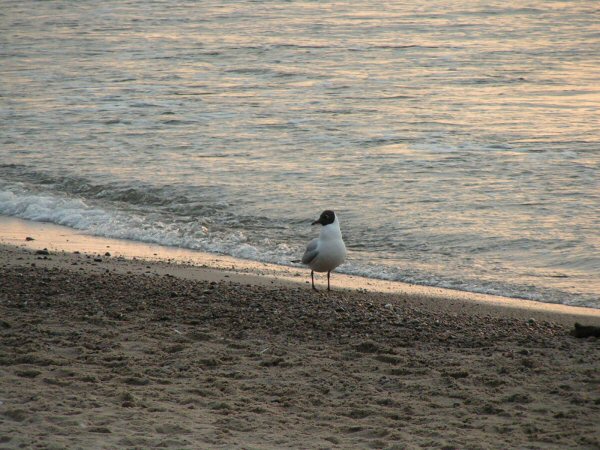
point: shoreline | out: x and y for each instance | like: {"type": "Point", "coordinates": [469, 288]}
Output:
{"type": "Point", "coordinates": [194, 264]}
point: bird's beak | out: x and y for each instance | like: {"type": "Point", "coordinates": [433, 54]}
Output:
{"type": "Point", "coordinates": [316, 222]}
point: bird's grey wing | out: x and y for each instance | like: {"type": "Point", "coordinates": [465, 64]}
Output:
{"type": "Point", "coordinates": [311, 251]}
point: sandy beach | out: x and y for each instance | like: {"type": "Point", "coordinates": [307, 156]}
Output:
{"type": "Point", "coordinates": [100, 350]}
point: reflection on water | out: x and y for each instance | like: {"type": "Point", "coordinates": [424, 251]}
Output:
{"type": "Point", "coordinates": [458, 143]}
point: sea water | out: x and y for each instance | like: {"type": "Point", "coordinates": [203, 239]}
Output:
{"type": "Point", "coordinates": [458, 142]}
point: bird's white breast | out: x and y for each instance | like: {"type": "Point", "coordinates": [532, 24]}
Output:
{"type": "Point", "coordinates": [331, 248]}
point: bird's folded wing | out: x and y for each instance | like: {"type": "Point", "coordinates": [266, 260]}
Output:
{"type": "Point", "coordinates": [311, 251]}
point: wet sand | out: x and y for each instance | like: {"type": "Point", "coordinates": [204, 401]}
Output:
{"type": "Point", "coordinates": [103, 351]}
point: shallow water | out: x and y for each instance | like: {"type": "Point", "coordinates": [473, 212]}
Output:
{"type": "Point", "coordinates": [459, 145]}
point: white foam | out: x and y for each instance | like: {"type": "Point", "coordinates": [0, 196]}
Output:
{"type": "Point", "coordinates": [76, 213]}
{"type": "Point", "coordinates": [92, 219]}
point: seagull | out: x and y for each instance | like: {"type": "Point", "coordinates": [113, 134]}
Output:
{"type": "Point", "coordinates": [325, 253]}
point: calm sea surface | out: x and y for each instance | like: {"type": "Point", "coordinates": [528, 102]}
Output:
{"type": "Point", "coordinates": [459, 142]}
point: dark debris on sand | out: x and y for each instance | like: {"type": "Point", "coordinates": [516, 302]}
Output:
{"type": "Point", "coordinates": [223, 365]}
{"type": "Point", "coordinates": [296, 312]}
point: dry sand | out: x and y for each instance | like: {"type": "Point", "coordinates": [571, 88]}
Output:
{"type": "Point", "coordinates": [106, 352]}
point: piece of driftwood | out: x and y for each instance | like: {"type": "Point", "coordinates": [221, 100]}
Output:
{"type": "Point", "coordinates": [583, 331]}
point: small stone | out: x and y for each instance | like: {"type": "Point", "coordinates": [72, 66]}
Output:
{"type": "Point", "coordinates": [99, 430]}
{"type": "Point", "coordinates": [127, 397]}
{"type": "Point", "coordinates": [272, 362]}
{"type": "Point", "coordinates": [367, 347]}
{"type": "Point", "coordinates": [107, 254]}
{"type": "Point", "coordinates": [18, 415]}
{"type": "Point", "coordinates": [28, 373]}
{"type": "Point", "coordinates": [42, 252]}
{"type": "Point", "coordinates": [583, 331]}
{"type": "Point", "coordinates": [136, 381]}
{"type": "Point", "coordinates": [29, 238]}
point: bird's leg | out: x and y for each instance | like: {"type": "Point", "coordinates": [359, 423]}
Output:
{"type": "Point", "coordinates": [328, 275]}
{"type": "Point", "coordinates": [312, 277]}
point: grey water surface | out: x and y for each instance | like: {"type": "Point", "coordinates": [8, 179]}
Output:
{"type": "Point", "coordinates": [458, 142]}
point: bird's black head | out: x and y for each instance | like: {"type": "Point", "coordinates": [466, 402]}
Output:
{"type": "Point", "coordinates": [326, 218]}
